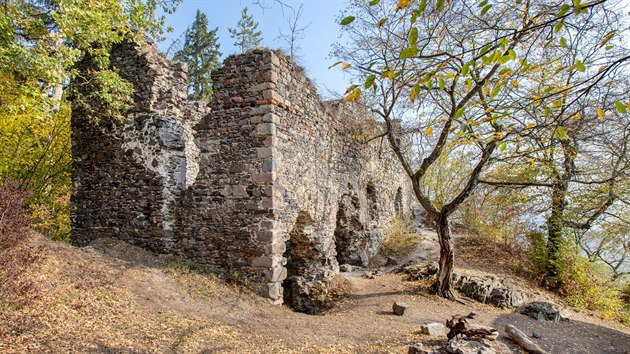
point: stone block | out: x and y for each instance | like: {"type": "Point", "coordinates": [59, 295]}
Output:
{"type": "Point", "coordinates": [264, 152]}
{"type": "Point", "coordinates": [265, 129]}
{"type": "Point", "coordinates": [399, 308]}
{"type": "Point", "coordinates": [433, 329]}
{"type": "Point", "coordinates": [278, 274]}
{"type": "Point", "coordinates": [275, 290]}
{"type": "Point", "coordinates": [263, 262]}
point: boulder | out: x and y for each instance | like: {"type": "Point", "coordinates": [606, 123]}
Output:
{"type": "Point", "coordinates": [418, 348]}
{"type": "Point", "coordinates": [490, 290]}
{"type": "Point", "coordinates": [542, 311]}
{"type": "Point", "coordinates": [433, 329]}
{"type": "Point", "coordinates": [399, 308]}
{"type": "Point", "coordinates": [345, 268]}
{"type": "Point", "coordinates": [506, 297]}
{"type": "Point", "coordinates": [419, 271]}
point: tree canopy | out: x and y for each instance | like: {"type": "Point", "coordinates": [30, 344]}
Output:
{"type": "Point", "coordinates": [466, 78]}
{"type": "Point", "coordinates": [201, 54]}
{"type": "Point", "coordinates": [245, 33]}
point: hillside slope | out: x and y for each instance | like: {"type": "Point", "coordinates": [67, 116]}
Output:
{"type": "Point", "coordinates": [112, 297]}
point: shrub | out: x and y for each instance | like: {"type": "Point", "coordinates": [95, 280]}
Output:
{"type": "Point", "coordinates": [583, 288]}
{"type": "Point", "coordinates": [13, 214]}
{"type": "Point", "coordinates": [15, 254]}
{"type": "Point", "coordinates": [399, 238]}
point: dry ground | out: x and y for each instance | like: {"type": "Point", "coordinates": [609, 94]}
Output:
{"type": "Point", "coordinates": [115, 298]}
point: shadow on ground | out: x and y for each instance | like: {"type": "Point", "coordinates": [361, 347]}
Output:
{"type": "Point", "coordinates": [570, 337]}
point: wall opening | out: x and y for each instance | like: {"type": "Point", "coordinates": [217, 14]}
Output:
{"type": "Point", "coordinates": [348, 231]}
{"type": "Point", "coordinates": [372, 201]}
{"type": "Point", "coordinates": [302, 263]}
{"type": "Point", "coordinates": [398, 202]}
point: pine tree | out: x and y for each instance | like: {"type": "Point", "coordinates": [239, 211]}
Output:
{"type": "Point", "coordinates": [201, 53]}
{"type": "Point", "coordinates": [245, 32]}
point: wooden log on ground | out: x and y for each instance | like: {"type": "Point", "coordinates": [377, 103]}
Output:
{"type": "Point", "coordinates": [522, 340]}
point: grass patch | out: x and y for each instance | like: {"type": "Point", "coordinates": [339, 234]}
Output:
{"type": "Point", "coordinates": [399, 238]}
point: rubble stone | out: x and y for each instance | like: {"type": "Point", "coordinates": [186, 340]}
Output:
{"type": "Point", "coordinates": [433, 329]}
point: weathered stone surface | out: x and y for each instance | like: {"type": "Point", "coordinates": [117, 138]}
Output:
{"type": "Point", "coordinates": [418, 348]}
{"type": "Point", "coordinates": [542, 311]}
{"type": "Point", "coordinates": [490, 290]}
{"type": "Point", "coordinates": [399, 308]}
{"type": "Point", "coordinates": [420, 271]}
{"type": "Point", "coordinates": [433, 329]}
{"type": "Point", "coordinates": [465, 346]}
{"type": "Point", "coordinates": [271, 178]}
{"type": "Point", "coordinates": [346, 268]}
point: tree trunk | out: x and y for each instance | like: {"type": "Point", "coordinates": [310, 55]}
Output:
{"type": "Point", "coordinates": [443, 285]}
{"type": "Point", "coordinates": [555, 227]}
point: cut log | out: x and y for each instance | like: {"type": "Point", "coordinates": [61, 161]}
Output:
{"type": "Point", "coordinates": [522, 340]}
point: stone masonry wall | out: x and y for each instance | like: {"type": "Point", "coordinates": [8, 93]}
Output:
{"type": "Point", "coordinates": [128, 175]}
{"type": "Point", "coordinates": [271, 182]}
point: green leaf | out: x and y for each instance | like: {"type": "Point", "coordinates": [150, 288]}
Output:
{"type": "Point", "coordinates": [580, 66]}
{"type": "Point", "coordinates": [347, 20]}
{"type": "Point", "coordinates": [502, 146]}
{"type": "Point", "coordinates": [413, 36]}
{"type": "Point", "coordinates": [439, 5]}
{"type": "Point", "coordinates": [486, 9]}
{"type": "Point", "coordinates": [441, 83]}
{"type": "Point", "coordinates": [459, 112]}
{"type": "Point", "coordinates": [374, 2]}
{"type": "Point", "coordinates": [558, 26]}
{"type": "Point", "coordinates": [563, 42]}
{"type": "Point", "coordinates": [547, 112]}
{"type": "Point", "coordinates": [465, 69]}
{"type": "Point", "coordinates": [512, 54]}
{"type": "Point", "coordinates": [408, 52]}
{"type": "Point", "coordinates": [369, 81]}
{"type": "Point", "coordinates": [482, 3]}
{"type": "Point", "coordinates": [621, 108]}
{"type": "Point", "coordinates": [422, 6]}
{"type": "Point", "coordinates": [560, 133]}
{"type": "Point", "coordinates": [564, 9]}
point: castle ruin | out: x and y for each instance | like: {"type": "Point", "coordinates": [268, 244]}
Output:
{"type": "Point", "coordinates": [269, 181]}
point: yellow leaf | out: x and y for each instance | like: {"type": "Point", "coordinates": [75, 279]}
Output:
{"type": "Point", "coordinates": [403, 4]}
{"type": "Point", "coordinates": [345, 66]}
{"type": "Point", "coordinates": [428, 131]}
{"type": "Point", "coordinates": [388, 74]}
{"type": "Point", "coordinates": [530, 125]}
{"type": "Point", "coordinates": [600, 114]}
{"type": "Point", "coordinates": [576, 116]}
{"type": "Point", "coordinates": [628, 105]}
{"type": "Point", "coordinates": [381, 22]}
{"type": "Point", "coordinates": [353, 96]}
{"type": "Point", "coordinates": [514, 84]}
{"type": "Point", "coordinates": [449, 76]}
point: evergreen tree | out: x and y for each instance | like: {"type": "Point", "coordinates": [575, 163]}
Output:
{"type": "Point", "coordinates": [201, 53]}
{"type": "Point", "coordinates": [245, 32]}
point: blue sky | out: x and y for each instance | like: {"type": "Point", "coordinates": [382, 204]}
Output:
{"type": "Point", "coordinates": [322, 32]}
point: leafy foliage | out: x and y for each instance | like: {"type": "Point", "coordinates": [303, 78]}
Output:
{"type": "Point", "coordinates": [399, 238]}
{"type": "Point", "coordinates": [474, 84]}
{"type": "Point", "coordinates": [201, 54]}
{"type": "Point", "coordinates": [35, 151]}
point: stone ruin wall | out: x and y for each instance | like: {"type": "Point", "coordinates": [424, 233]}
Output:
{"type": "Point", "coordinates": [270, 182]}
